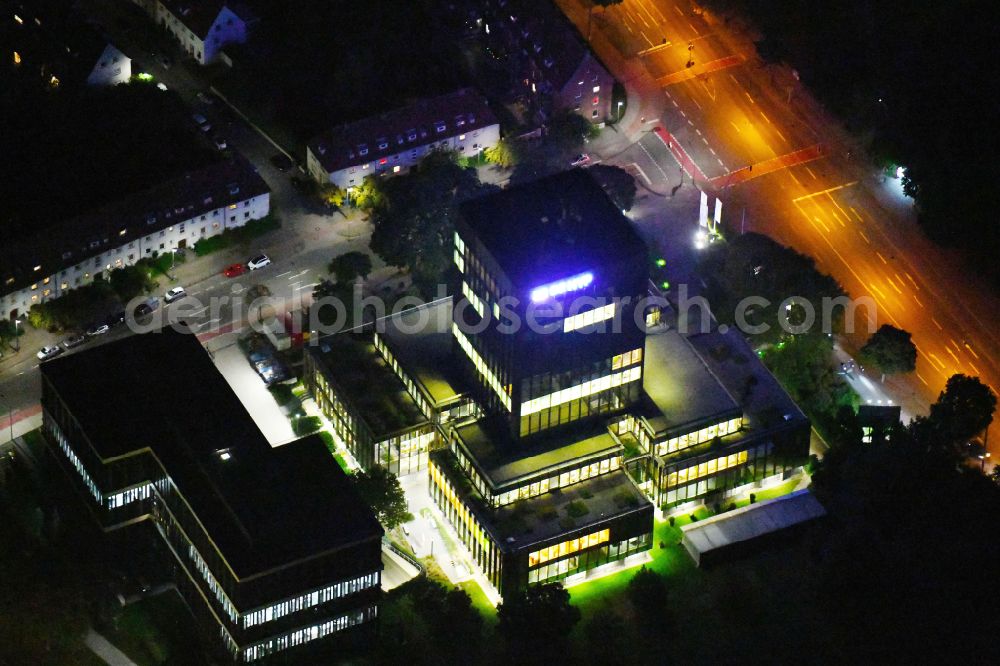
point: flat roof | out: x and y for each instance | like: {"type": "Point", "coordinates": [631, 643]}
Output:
{"type": "Point", "coordinates": [553, 228]}
{"type": "Point", "coordinates": [751, 522]}
{"type": "Point", "coordinates": [542, 518]}
{"type": "Point", "coordinates": [683, 391]}
{"type": "Point", "coordinates": [367, 382]}
{"type": "Point", "coordinates": [504, 461]}
{"type": "Point", "coordinates": [421, 340]}
{"type": "Point", "coordinates": [765, 403]}
{"type": "Point", "coordinates": [263, 507]}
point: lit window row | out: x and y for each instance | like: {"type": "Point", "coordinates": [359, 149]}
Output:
{"type": "Point", "coordinates": [589, 317]}
{"type": "Point", "coordinates": [477, 303]}
{"type": "Point", "coordinates": [87, 481]}
{"type": "Point", "coordinates": [461, 511]}
{"type": "Point", "coordinates": [459, 243]}
{"type": "Point", "coordinates": [135, 494]}
{"type": "Point", "coordinates": [706, 468]}
{"type": "Point", "coordinates": [411, 387]}
{"type": "Point", "coordinates": [306, 634]}
{"type": "Point", "coordinates": [699, 436]}
{"type": "Point", "coordinates": [581, 390]}
{"type": "Point", "coordinates": [459, 261]}
{"type": "Point", "coordinates": [626, 359]}
{"type": "Point", "coordinates": [213, 584]}
{"type": "Point", "coordinates": [310, 599]}
{"type": "Point", "coordinates": [567, 547]}
{"type": "Point", "coordinates": [481, 366]}
{"type": "Point", "coordinates": [543, 486]}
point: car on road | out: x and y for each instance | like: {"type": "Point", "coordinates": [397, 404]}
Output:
{"type": "Point", "coordinates": [74, 341]}
{"type": "Point", "coordinates": [97, 329]}
{"type": "Point", "coordinates": [147, 307]}
{"type": "Point", "coordinates": [258, 262]}
{"type": "Point", "coordinates": [202, 122]}
{"type": "Point", "coordinates": [220, 142]}
{"type": "Point", "coordinates": [205, 99]}
{"type": "Point", "coordinates": [45, 353]}
{"type": "Point", "coordinates": [175, 294]}
{"type": "Point", "coordinates": [281, 162]}
{"type": "Point", "coordinates": [234, 270]}
{"type": "Point", "coordinates": [580, 160]}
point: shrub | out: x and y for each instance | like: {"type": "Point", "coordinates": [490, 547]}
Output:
{"type": "Point", "coordinates": [327, 438]}
{"type": "Point", "coordinates": [672, 520]}
{"type": "Point", "coordinates": [577, 509]}
{"type": "Point", "coordinates": [753, 497]}
{"type": "Point", "coordinates": [282, 394]}
{"type": "Point", "coordinates": [305, 425]}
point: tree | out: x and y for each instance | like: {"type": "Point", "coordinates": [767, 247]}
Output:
{"type": "Point", "coordinates": [331, 195]}
{"type": "Point", "coordinates": [964, 409]}
{"type": "Point", "coordinates": [349, 266]}
{"type": "Point", "coordinates": [536, 623]}
{"type": "Point", "coordinates": [130, 281]}
{"type": "Point", "coordinates": [380, 489]}
{"type": "Point", "coordinates": [414, 216]}
{"type": "Point", "coordinates": [502, 154]}
{"type": "Point", "coordinates": [889, 350]}
{"type": "Point", "coordinates": [608, 637]}
{"type": "Point", "coordinates": [647, 591]}
{"type": "Point", "coordinates": [617, 183]}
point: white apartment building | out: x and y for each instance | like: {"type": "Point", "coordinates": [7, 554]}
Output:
{"type": "Point", "coordinates": [203, 27]}
{"type": "Point", "coordinates": [174, 215]}
{"type": "Point", "coordinates": [393, 142]}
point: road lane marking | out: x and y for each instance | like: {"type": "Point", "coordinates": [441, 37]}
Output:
{"type": "Point", "coordinates": [934, 358]}
{"type": "Point", "coordinates": [948, 349]}
{"type": "Point", "coordinates": [767, 119]}
{"type": "Point", "coordinates": [974, 368]}
{"type": "Point", "coordinates": [712, 150]}
{"type": "Point", "coordinates": [910, 278]}
{"type": "Point", "coordinates": [922, 379]}
{"type": "Point", "coordinates": [690, 123]}
{"type": "Point", "coordinates": [972, 351]}
{"type": "Point", "coordinates": [283, 274]}
{"type": "Point", "coordinates": [748, 96]}
{"type": "Point", "coordinates": [693, 29]}
{"type": "Point", "coordinates": [781, 135]}
{"type": "Point", "coordinates": [822, 192]}
{"type": "Point", "coordinates": [684, 114]}
{"type": "Point", "coordinates": [735, 126]}
{"type": "Point", "coordinates": [795, 179]}
{"type": "Point", "coordinates": [940, 327]}
{"type": "Point", "coordinates": [674, 102]}
{"type": "Point", "coordinates": [865, 237]}
{"type": "Point", "coordinates": [698, 104]}
{"type": "Point", "coordinates": [856, 214]}
{"type": "Point", "coordinates": [698, 132]}
{"type": "Point", "coordinates": [722, 164]}
{"type": "Point", "coordinates": [822, 223]}
{"type": "Point", "coordinates": [917, 300]}
{"type": "Point", "coordinates": [678, 10]}
{"type": "Point", "coordinates": [893, 285]}
{"type": "Point", "coordinates": [811, 173]}
{"type": "Point", "coordinates": [877, 290]}
{"type": "Point", "coordinates": [881, 257]}
{"type": "Point", "coordinates": [733, 78]}
{"type": "Point", "coordinates": [837, 217]}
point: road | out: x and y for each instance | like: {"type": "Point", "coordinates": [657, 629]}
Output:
{"type": "Point", "coordinates": [216, 305]}
{"type": "Point", "coordinates": [776, 157]}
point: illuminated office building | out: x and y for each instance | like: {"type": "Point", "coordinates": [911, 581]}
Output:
{"type": "Point", "coordinates": [272, 549]}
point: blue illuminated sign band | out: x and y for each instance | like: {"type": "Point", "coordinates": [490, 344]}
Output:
{"type": "Point", "coordinates": [554, 289]}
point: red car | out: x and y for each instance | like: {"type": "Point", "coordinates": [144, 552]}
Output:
{"type": "Point", "coordinates": [235, 270]}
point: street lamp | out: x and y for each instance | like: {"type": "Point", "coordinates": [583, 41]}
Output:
{"type": "Point", "coordinates": [620, 102]}
{"type": "Point", "coordinates": [17, 333]}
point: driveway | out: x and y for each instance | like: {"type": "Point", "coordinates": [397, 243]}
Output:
{"type": "Point", "coordinates": [255, 397]}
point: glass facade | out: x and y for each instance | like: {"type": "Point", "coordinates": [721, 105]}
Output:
{"type": "Point", "coordinates": [585, 560]}
{"type": "Point", "coordinates": [484, 370]}
{"type": "Point", "coordinates": [706, 434]}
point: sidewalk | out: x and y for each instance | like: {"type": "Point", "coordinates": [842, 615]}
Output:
{"type": "Point", "coordinates": [108, 653]}
{"type": "Point", "coordinates": [25, 421]}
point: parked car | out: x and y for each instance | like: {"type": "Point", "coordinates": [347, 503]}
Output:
{"type": "Point", "coordinates": [202, 122]}
{"type": "Point", "coordinates": [220, 142]}
{"type": "Point", "coordinates": [147, 307]}
{"type": "Point", "coordinates": [74, 341]}
{"type": "Point", "coordinates": [175, 294]}
{"type": "Point", "coordinates": [97, 329]}
{"type": "Point", "coordinates": [45, 353]}
{"type": "Point", "coordinates": [281, 162]}
{"type": "Point", "coordinates": [258, 262]}
{"type": "Point", "coordinates": [234, 270]}
{"type": "Point", "coordinates": [580, 160]}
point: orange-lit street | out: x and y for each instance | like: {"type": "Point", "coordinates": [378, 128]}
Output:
{"type": "Point", "coordinates": [773, 153]}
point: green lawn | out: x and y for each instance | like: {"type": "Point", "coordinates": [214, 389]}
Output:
{"type": "Point", "coordinates": [233, 237]}
{"type": "Point", "coordinates": [157, 631]}
{"type": "Point", "coordinates": [480, 602]}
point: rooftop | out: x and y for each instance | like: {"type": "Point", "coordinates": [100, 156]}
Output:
{"type": "Point", "coordinates": [263, 507]}
{"type": "Point", "coordinates": [764, 402]}
{"type": "Point", "coordinates": [199, 15]}
{"type": "Point", "coordinates": [421, 341]}
{"type": "Point", "coordinates": [48, 35]}
{"type": "Point", "coordinates": [542, 518]}
{"type": "Point", "coordinates": [684, 394]}
{"type": "Point", "coordinates": [554, 228]}
{"type": "Point", "coordinates": [417, 124]}
{"type": "Point", "coordinates": [68, 243]}
{"type": "Point", "coordinates": [367, 382]}
{"type": "Point", "coordinates": [504, 462]}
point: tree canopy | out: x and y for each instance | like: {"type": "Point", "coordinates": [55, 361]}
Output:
{"type": "Point", "coordinates": [348, 267]}
{"type": "Point", "coordinates": [963, 409]}
{"type": "Point", "coordinates": [380, 489]}
{"type": "Point", "coordinates": [889, 350]}
{"type": "Point", "coordinates": [536, 623]}
{"type": "Point", "coordinates": [414, 216]}
{"type": "Point", "coordinates": [618, 183]}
